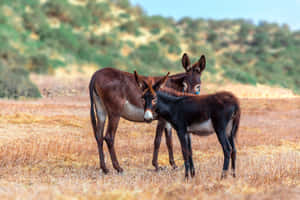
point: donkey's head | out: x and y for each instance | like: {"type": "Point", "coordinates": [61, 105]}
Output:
{"type": "Point", "coordinates": [149, 95]}
{"type": "Point", "coordinates": [191, 81]}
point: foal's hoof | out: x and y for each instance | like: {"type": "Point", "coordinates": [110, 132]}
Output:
{"type": "Point", "coordinates": [192, 173]}
{"type": "Point", "coordinates": [186, 177]}
{"type": "Point", "coordinates": [158, 168]}
{"type": "Point", "coordinates": [224, 175]}
{"type": "Point", "coordinates": [233, 174]}
{"type": "Point", "coordinates": [105, 170]}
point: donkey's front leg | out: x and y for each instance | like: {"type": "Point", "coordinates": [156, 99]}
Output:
{"type": "Point", "coordinates": [168, 134]}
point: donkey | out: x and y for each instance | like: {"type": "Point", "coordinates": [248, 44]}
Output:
{"type": "Point", "coordinates": [115, 94]}
{"type": "Point", "coordinates": [201, 115]}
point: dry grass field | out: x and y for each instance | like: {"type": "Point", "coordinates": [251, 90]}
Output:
{"type": "Point", "coordinates": [48, 151]}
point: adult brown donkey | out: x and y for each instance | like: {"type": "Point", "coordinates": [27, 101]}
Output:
{"type": "Point", "coordinates": [115, 94]}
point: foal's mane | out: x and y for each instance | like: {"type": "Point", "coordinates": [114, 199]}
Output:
{"type": "Point", "coordinates": [176, 93]}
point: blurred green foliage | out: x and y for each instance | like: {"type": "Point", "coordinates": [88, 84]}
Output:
{"type": "Point", "coordinates": [39, 37]}
{"type": "Point", "coordinates": [15, 83]}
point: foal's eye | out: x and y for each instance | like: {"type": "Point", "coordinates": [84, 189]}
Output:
{"type": "Point", "coordinates": [154, 101]}
{"type": "Point", "coordinates": [184, 86]}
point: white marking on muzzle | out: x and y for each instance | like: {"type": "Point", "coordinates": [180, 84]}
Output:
{"type": "Point", "coordinates": [148, 115]}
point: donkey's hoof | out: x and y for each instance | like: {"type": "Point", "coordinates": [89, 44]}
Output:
{"type": "Point", "coordinates": [120, 170]}
{"type": "Point", "coordinates": [174, 166]}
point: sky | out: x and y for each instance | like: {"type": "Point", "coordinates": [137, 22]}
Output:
{"type": "Point", "coordinates": [279, 11]}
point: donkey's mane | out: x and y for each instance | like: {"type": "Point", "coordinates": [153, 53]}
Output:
{"type": "Point", "coordinates": [176, 93]}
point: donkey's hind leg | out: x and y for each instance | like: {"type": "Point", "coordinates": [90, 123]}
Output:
{"type": "Point", "coordinates": [163, 126]}
{"type": "Point", "coordinates": [101, 118]}
{"type": "Point", "coordinates": [113, 122]}
{"type": "Point", "coordinates": [159, 130]}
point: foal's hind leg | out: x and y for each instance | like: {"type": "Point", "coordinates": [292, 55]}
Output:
{"type": "Point", "coordinates": [113, 122]}
{"type": "Point", "coordinates": [233, 155]}
{"type": "Point", "coordinates": [192, 168]}
{"type": "Point", "coordinates": [221, 133]}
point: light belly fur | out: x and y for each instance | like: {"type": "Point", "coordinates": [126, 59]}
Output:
{"type": "Point", "coordinates": [100, 109]}
{"type": "Point", "coordinates": [132, 113]}
{"type": "Point", "coordinates": [202, 129]}
{"type": "Point", "coordinates": [206, 128]}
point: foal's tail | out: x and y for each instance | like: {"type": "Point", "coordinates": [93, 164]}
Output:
{"type": "Point", "coordinates": [92, 110]}
{"type": "Point", "coordinates": [236, 121]}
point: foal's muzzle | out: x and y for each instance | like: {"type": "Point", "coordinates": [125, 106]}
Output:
{"type": "Point", "coordinates": [148, 116]}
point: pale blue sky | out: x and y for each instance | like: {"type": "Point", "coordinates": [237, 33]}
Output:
{"type": "Point", "coordinates": [280, 11]}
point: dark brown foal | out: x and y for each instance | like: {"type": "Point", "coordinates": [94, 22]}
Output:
{"type": "Point", "coordinates": [201, 115]}
{"type": "Point", "coordinates": [115, 94]}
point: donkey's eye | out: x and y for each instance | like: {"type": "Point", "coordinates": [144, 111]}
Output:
{"type": "Point", "coordinates": [197, 88]}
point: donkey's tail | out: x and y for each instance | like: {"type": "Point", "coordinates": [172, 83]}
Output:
{"type": "Point", "coordinates": [92, 110]}
{"type": "Point", "coordinates": [236, 121]}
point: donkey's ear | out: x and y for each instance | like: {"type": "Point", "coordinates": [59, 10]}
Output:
{"type": "Point", "coordinates": [186, 62]}
{"type": "Point", "coordinates": [200, 65]}
{"type": "Point", "coordinates": [160, 83]}
{"type": "Point", "coordinates": [138, 80]}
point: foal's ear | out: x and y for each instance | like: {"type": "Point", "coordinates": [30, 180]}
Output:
{"type": "Point", "coordinates": [200, 65]}
{"type": "Point", "coordinates": [186, 62]}
{"type": "Point", "coordinates": [138, 80]}
{"type": "Point", "coordinates": [160, 83]}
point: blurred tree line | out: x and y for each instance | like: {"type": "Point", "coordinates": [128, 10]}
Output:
{"type": "Point", "coordinates": [40, 37]}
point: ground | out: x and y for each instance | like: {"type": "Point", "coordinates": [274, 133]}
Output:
{"type": "Point", "coordinates": [48, 151]}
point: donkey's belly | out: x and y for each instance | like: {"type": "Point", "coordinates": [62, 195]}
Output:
{"type": "Point", "coordinates": [202, 129]}
{"type": "Point", "coordinates": [132, 113]}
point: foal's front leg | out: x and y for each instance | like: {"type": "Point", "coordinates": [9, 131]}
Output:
{"type": "Point", "coordinates": [159, 130]}
{"type": "Point", "coordinates": [183, 138]}
{"type": "Point", "coordinates": [192, 170]}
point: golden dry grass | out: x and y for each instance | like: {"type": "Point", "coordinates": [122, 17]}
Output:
{"type": "Point", "coordinates": [48, 151]}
